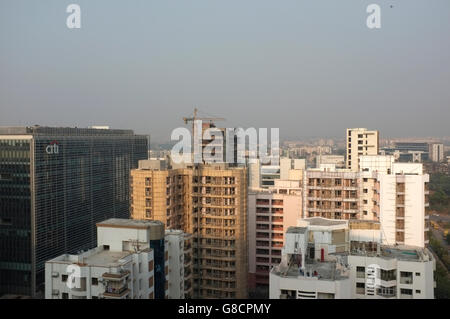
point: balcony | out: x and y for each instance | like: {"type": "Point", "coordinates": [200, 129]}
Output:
{"type": "Point", "coordinates": [113, 293]}
{"type": "Point", "coordinates": [116, 276]}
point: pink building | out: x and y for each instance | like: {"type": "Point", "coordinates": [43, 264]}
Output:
{"type": "Point", "coordinates": [270, 213]}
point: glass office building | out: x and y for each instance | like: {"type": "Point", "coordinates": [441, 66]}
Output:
{"type": "Point", "coordinates": [55, 185]}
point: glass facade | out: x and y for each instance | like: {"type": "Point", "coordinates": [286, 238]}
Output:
{"type": "Point", "coordinates": [15, 216]}
{"type": "Point", "coordinates": [70, 179]}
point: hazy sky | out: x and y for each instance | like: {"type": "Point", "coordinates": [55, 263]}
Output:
{"type": "Point", "coordinates": [309, 67]}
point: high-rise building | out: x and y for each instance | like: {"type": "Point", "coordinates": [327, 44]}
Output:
{"type": "Point", "coordinates": [123, 266]}
{"type": "Point", "coordinates": [336, 259]}
{"type": "Point", "coordinates": [331, 193]}
{"type": "Point", "coordinates": [402, 202]}
{"type": "Point", "coordinates": [270, 213]}
{"type": "Point", "coordinates": [55, 184]}
{"type": "Point", "coordinates": [360, 141]}
{"type": "Point", "coordinates": [179, 246]}
{"type": "Point", "coordinates": [437, 152]}
{"type": "Point", "coordinates": [209, 202]}
{"type": "Point", "coordinates": [396, 194]}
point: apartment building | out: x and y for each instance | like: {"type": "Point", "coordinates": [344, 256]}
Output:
{"type": "Point", "coordinates": [264, 175]}
{"type": "Point", "coordinates": [180, 264]}
{"type": "Point", "coordinates": [209, 202]}
{"type": "Point", "coordinates": [123, 266]}
{"type": "Point", "coordinates": [329, 259]}
{"type": "Point", "coordinates": [219, 227]}
{"type": "Point", "coordinates": [331, 193]}
{"type": "Point", "coordinates": [162, 195]}
{"type": "Point", "coordinates": [403, 204]}
{"type": "Point", "coordinates": [396, 194]}
{"type": "Point", "coordinates": [370, 168]}
{"type": "Point", "coordinates": [360, 141]}
{"type": "Point", "coordinates": [270, 213]}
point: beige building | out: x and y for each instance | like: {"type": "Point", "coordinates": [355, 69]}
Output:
{"type": "Point", "coordinates": [360, 141]}
{"type": "Point", "coordinates": [331, 194]}
{"type": "Point", "coordinates": [209, 202]}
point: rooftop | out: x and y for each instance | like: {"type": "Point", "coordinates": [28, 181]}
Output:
{"type": "Point", "coordinates": [94, 257]}
{"type": "Point", "coordinates": [319, 221]}
{"type": "Point", "coordinates": [296, 230]}
{"type": "Point", "coordinates": [403, 253]}
{"type": "Point", "coordinates": [45, 130]}
{"type": "Point", "coordinates": [130, 223]}
{"type": "Point", "coordinates": [106, 258]}
{"type": "Point", "coordinates": [314, 270]}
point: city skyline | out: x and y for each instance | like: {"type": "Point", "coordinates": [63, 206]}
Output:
{"type": "Point", "coordinates": [294, 66]}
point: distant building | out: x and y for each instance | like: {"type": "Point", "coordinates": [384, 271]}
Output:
{"type": "Point", "coordinates": [437, 152]}
{"type": "Point", "coordinates": [416, 152]}
{"type": "Point", "coordinates": [338, 160]}
{"type": "Point", "coordinates": [330, 259]}
{"type": "Point", "coordinates": [360, 141]}
{"type": "Point", "coordinates": [55, 184]}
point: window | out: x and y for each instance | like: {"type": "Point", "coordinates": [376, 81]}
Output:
{"type": "Point", "coordinates": [365, 180]}
{"type": "Point", "coordinates": [94, 281]}
{"type": "Point", "coordinates": [106, 247]}
{"type": "Point", "coordinates": [148, 213]}
{"type": "Point", "coordinates": [417, 274]}
{"type": "Point", "coordinates": [365, 191]}
{"type": "Point", "coordinates": [65, 295]}
{"type": "Point", "coordinates": [94, 297]}
{"type": "Point", "coordinates": [406, 291]}
{"type": "Point", "coordinates": [417, 291]}
{"type": "Point", "coordinates": [63, 278]}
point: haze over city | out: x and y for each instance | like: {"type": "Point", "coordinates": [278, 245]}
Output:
{"type": "Point", "coordinates": [296, 65]}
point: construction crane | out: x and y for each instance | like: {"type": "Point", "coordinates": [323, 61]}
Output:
{"type": "Point", "coordinates": [195, 118]}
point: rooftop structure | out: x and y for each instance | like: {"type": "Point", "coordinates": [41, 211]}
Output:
{"type": "Point", "coordinates": [351, 264]}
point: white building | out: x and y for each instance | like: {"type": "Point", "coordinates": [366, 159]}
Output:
{"type": "Point", "coordinates": [121, 267]}
{"type": "Point", "coordinates": [264, 175]}
{"type": "Point", "coordinates": [180, 264]}
{"type": "Point", "coordinates": [352, 263]}
{"type": "Point", "coordinates": [402, 201]}
{"type": "Point", "coordinates": [337, 160]}
{"type": "Point", "coordinates": [437, 152]}
{"type": "Point", "coordinates": [395, 194]}
{"type": "Point", "coordinates": [360, 141]}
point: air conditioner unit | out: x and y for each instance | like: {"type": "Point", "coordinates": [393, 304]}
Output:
{"type": "Point", "coordinates": [55, 274]}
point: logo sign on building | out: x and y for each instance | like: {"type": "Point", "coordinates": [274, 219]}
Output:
{"type": "Point", "coordinates": [52, 148]}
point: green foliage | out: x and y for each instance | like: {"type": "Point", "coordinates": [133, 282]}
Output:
{"type": "Point", "coordinates": [440, 192]}
{"type": "Point", "coordinates": [442, 290]}
{"type": "Point", "coordinates": [441, 275]}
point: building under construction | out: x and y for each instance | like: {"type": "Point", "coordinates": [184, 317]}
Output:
{"type": "Point", "coordinates": [210, 202]}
